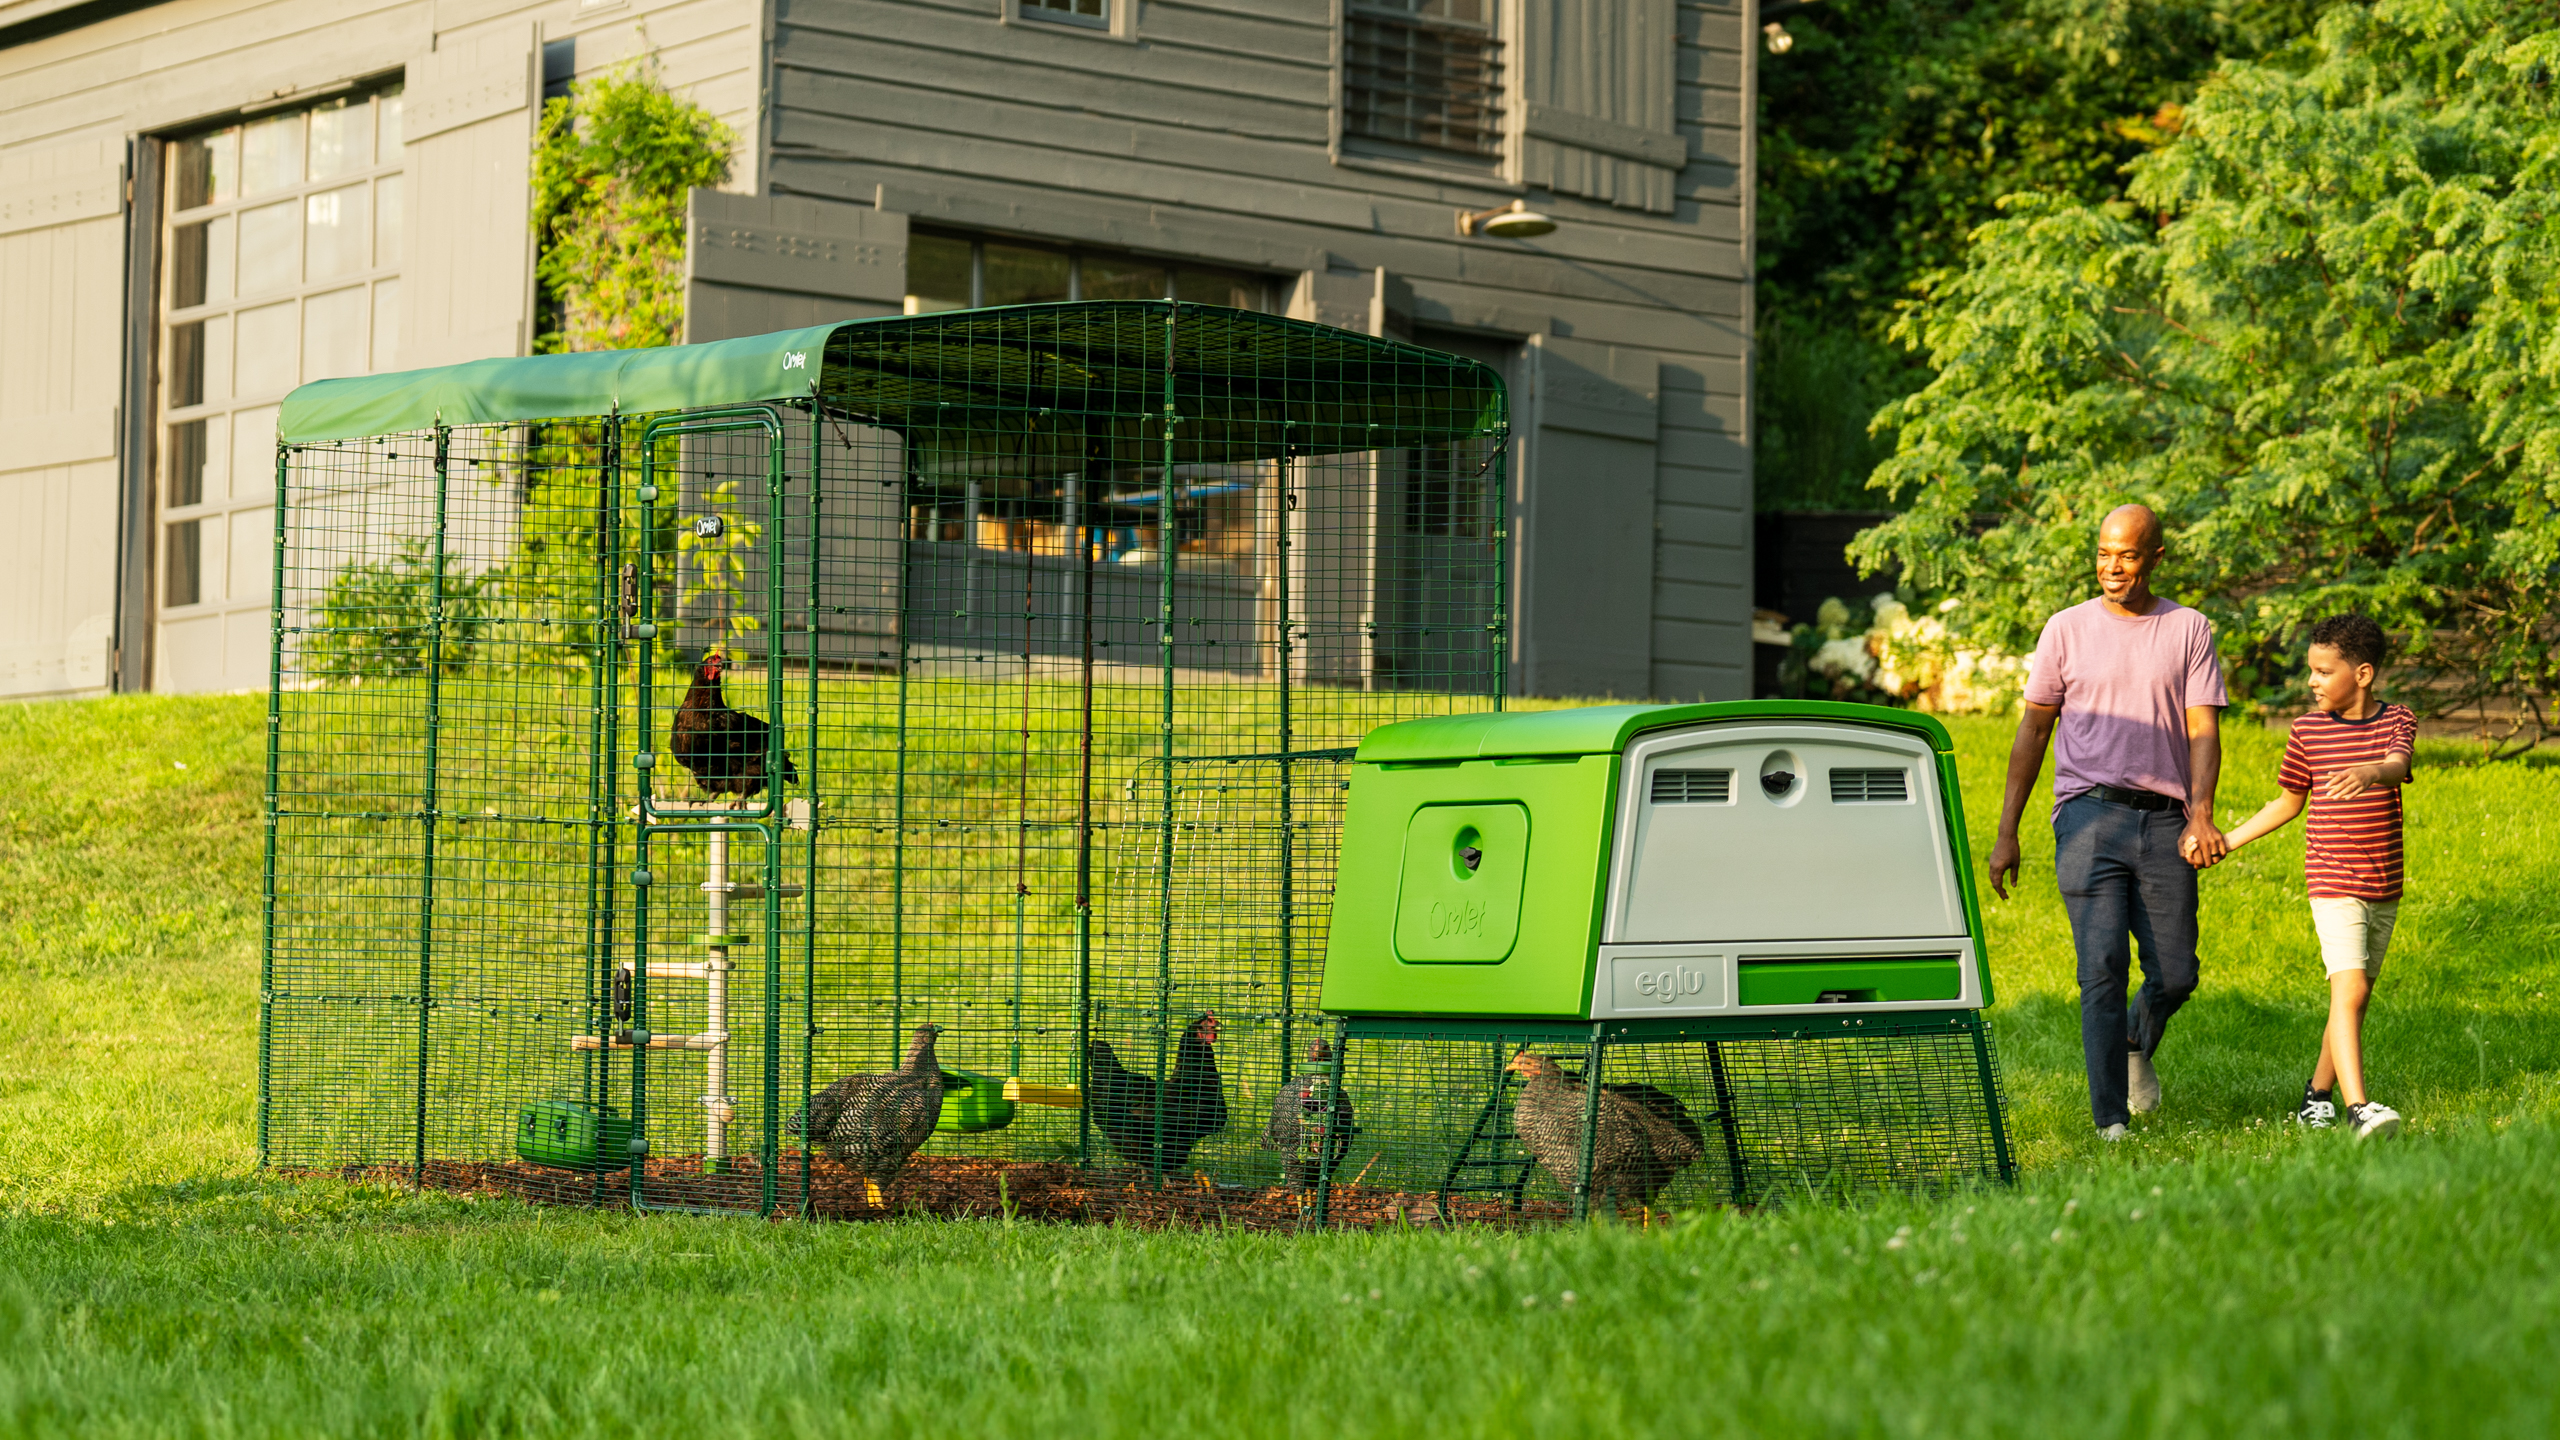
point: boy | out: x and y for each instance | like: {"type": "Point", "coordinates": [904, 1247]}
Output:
{"type": "Point", "coordinates": [2348, 759]}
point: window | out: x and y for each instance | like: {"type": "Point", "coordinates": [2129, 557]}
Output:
{"type": "Point", "coordinates": [1425, 74]}
{"type": "Point", "coordinates": [958, 272]}
{"type": "Point", "coordinates": [1445, 491]}
{"type": "Point", "coordinates": [1095, 13]}
{"type": "Point", "coordinates": [281, 264]}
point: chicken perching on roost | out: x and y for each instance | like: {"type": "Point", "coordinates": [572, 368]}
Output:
{"type": "Point", "coordinates": [1298, 1113]}
{"type": "Point", "coordinates": [723, 747]}
{"type": "Point", "coordinates": [1123, 1101]}
{"type": "Point", "coordinates": [1641, 1135]}
{"type": "Point", "coordinates": [873, 1123]}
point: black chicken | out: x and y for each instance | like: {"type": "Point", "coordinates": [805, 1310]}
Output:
{"type": "Point", "coordinates": [1298, 1114]}
{"type": "Point", "coordinates": [1123, 1102]}
{"type": "Point", "coordinates": [1641, 1136]}
{"type": "Point", "coordinates": [873, 1123]}
{"type": "Point", "coordinates": [724, 748]}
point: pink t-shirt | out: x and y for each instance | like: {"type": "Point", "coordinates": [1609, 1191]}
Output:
{"type": "Point", "coordinates": [2124, 684]}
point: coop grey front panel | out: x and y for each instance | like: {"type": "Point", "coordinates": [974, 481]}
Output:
{"type": "Point", "coordinates": [1639, 982]}
{"type": "Point", "coordinates": [1778, 831]}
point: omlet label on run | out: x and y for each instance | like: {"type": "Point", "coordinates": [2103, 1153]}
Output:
{"type": "Point", "coordinates": [796, 360]}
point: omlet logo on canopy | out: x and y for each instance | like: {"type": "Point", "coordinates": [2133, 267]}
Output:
{"type": "Point", "coordinates": [796, 360]}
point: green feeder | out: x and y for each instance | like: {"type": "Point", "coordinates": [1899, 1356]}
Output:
{"type": "Point", "coordinates": [572, 1136]}
{"type": "Point", "coordinates": [1746, 859]}
{"type": "Point", "coordinates": [972, 1102]}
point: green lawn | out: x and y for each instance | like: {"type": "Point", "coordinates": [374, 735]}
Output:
{"type": "Point", "coordinates": [2220, 1274]}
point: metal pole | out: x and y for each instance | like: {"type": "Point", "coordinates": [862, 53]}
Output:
{"type": "Point", "coordinates": [715, 974]}
{"type": "Point", "coordinates": [427, 804]}
{"type": "Point", "coordinates": [898, 827]}
{"type": "Point", "coordinates": [1084, 833]}
{"type": "Point", "coordinates": [267, 895]}
{"type": "Point", "coordinates": [809, 847]}
{"type": "Point", "coordinates": [1167, 540]}
{"type": "Point", "coordinates": [608, 785]}
{"type": "Point", "coordinates": [1280, 503]}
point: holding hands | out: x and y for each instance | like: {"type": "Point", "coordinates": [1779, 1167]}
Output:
{"type": "Point", "coordinates": [2202, 845]}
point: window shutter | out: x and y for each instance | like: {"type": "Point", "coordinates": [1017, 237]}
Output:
{"type": "Point", "coordinates": [755, 265]}
{"type": "Point", "coordinates": [467, 277]}
{"type": "Point", "coordinates": [1585, 617]}
{"type": "Point", "coordinates": [1596, 86]}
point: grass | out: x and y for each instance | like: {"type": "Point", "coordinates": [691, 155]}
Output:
{"type": "Point", "coordinates": [2218, 1275]}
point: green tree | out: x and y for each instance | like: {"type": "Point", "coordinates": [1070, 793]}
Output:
{"type": "Point", "coordinates": [1889, 129]}
{"type": "Point", "coordinates": [612, 166]}
{"type": "Point", "coordinates": [2318, 341]}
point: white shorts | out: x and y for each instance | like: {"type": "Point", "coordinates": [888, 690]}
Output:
{"type": "Point", "coordinates": [2353, 933]}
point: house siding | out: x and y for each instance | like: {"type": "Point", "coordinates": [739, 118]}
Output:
{"type": "Point", "coordinates": [1209, 134]}
{"type": "Point", "coordinates": [1212, 138]}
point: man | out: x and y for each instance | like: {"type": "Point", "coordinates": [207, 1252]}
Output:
{"type": "Point", "coordinates": [2127, 688]}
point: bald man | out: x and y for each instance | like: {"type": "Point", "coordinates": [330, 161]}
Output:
{"type": "Point", "coordinates": [2127, 689]}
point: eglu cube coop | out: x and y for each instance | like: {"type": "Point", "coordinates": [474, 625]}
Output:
{"type": "Point", "coordinates": [1063, 623]}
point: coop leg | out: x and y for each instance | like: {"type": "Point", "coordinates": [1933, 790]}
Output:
{"type": "Point", "coordinates": [1324, 1166]}
{"type": "Point", "coordinates": [1991, 1100]}
{"type": "Point", "coordinates": [1590, 1125]}
{"type": "Point", "coordinates": [1727, 1122]}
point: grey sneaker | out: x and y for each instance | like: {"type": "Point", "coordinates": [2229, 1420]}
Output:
{"type": "Point", "coordinates": [2113, 1133]}
{"type": "Point", "coordinates": [2141, 1083]}
{"type": "Point", "coordinates": [2372, 1119]}
{"type": "Point", "coordinates": [2316, 1115]}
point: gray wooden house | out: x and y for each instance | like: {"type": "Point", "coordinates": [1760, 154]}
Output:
{"type": "Point", "coordinates": [204, 203]}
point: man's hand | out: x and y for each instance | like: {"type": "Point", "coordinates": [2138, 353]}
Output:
{"type": "Point", "coordinates": [2351, 782]}
{"type": "Point", "coordinates": [2202, 845]}
{"type": "Point", "coordinates": [2026, 757]}
{"type": "Point", "coordinates": [2004, 864]}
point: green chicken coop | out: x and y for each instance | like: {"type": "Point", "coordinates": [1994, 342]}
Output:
{"type": "Point", "coordinates": [1764, 909]}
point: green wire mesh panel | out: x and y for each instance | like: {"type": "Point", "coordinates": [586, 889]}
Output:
{"type": "Point", "coordinates": [648, 787]}
{"type": "Point", "coordinates": [1063, 620]}
{"type": "Point", "coordinates": [1445, 1126]}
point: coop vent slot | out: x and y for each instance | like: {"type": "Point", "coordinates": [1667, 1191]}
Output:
{"type": "Point", "coordinates": [1692, 787]}
{"type": "Point", "coordinates": [1869, 787]}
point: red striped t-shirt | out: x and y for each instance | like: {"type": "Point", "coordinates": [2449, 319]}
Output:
{"type": "Point", "coordinates": [2350, 847]}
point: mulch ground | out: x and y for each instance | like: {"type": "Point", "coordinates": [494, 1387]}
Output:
{"type": "Point", "coordinates": [969, 1188]}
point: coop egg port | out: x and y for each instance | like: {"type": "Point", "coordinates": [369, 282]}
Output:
{"type": "Point", "coordinates": [1073, 617]}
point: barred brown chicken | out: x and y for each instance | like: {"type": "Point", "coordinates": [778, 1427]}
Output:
{"type": "Point", "coordinates": [1297, 1113]}
{"type": "Point", "coordinates": [1641, 1136]}
{"type": "Point", "coordinates": [873, 1123]}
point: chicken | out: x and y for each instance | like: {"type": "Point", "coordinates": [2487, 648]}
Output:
{"type": "Point", "coordinates": [1641, 1135]}
{"type": "Point", "coordinates": [724, 748]}
{"type": "Point", "coordinates": [872, 1123]}
{"type": "Point", "coordinates": [1123, 1101]}
{"type": "Point", "coordinates": [1298, 1113]}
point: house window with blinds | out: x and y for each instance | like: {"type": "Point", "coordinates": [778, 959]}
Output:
{"type": "Point", "coordinates": [1423, 76]}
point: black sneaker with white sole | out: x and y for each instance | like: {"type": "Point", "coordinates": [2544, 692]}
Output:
{"type": "Point", "coordinates": [2316, 1114]}
{"type": "Point", "coordinates": [2372, 1120]}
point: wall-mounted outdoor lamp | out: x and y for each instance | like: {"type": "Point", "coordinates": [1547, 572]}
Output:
{"type": "Point", "coordinates": [1515, 221]}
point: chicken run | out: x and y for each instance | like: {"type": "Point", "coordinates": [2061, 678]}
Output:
{"type": "Point", "coordinates": [900, 767]}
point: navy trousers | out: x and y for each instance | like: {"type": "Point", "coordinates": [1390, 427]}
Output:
{"type": "Point", "coordinates": [2124, 884]}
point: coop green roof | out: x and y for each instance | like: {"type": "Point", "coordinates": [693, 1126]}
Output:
{"type": "Point", "coordinates": [1605, 729]}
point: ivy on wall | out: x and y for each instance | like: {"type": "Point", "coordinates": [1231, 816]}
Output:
{"type": "Point", "coordinates": [612, 165]}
